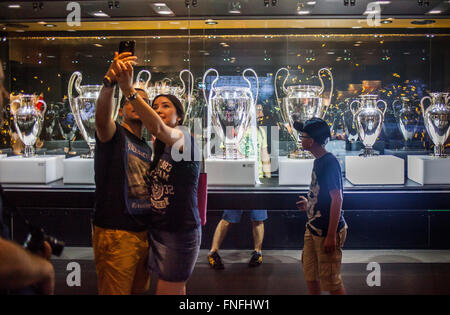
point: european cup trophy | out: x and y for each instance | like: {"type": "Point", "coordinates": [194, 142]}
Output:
{"type": "Point", "coordinates": [437, 120]}
{"type": "Point", "coordinates": [230, 109]}
{"type": "Point", "coordinates": [83, 108]}
{"type": "Point", "coordinates": [369, 119]}
{"type": "Point", "coordinates": [300, 103]}
{"type": "Point", "coordinates": [28, 120]}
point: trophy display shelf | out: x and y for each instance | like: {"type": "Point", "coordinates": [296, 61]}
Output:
{"type": "Point", "coordinates": [78, 170]}
{"type": "Point", "coordinates": [429, 169]}
{"type": "Point", "coordinates": [33, 170]}
{"type": "Point", "coordinates": [242, 172]}
{"type": "Point", "coordinates": [375, 170]}
{"type": "Point", "coordinates": [294, 171]}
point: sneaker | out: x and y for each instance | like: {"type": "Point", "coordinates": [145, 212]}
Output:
{"type": "Point", "coordinates": [215, 261]}
{"type": "Point", "coordinates": [256, 259]}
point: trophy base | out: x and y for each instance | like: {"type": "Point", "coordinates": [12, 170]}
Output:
{"type": "Point", "coordinates": [425, 169]}
{"type": "Point", "coordinates": [296, 172]}
{"type": "Point", "coordinates": [231, 172]}
{"type": "Point", "coordinates": [375, 170]}
{"type": "Point", "coordinates": [31, 170]}
{"type": "Point", "coordinates": [78, 170]}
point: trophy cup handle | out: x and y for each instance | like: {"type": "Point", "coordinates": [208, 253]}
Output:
{"type": "Point", "coordinates": [283, 87]}
{"type": "Point", "coordinates": [191, 86]}
{"type": "Point", "coordinates": [12, 108]}
{"type": "Point", "coordinates": [250, 85]}
{"type": "Point", "coordinates": [422, 106]}
{"type": "Point", "coordinates": [207, 99]}
{"type": "Point", "coordinates": [147, 82]}
{"type": "Point", "coordinates": [75, 80]}
{"type": "Point", "coordinates": [385, 106]}
{"type": "Point", "coordinates": [394, 107]}
{"type": "Point", "coordinates": [351, 106]}
{"type": "Point", "coordinates": [323, 88]}
{"type": "Point", "coordinates": [117, 105]}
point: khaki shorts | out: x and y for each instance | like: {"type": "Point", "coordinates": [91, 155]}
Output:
{"type": "Point", "coordinates": [121, 261]}
{"type": "Point", "coordinates": [320, 266]}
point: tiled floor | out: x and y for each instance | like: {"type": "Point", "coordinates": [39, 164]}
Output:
{"type": "Point", "coordinates": [401, 272]}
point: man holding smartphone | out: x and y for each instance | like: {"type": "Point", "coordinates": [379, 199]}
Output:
{"type": "Point", "coordinates": [122, 158]}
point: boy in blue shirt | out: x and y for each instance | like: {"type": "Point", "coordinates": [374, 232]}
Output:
{"type": "Point", "coordinates": [326, 228]}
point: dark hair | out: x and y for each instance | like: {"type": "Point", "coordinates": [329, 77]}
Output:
{"type": "Point", "coordinates": [159, 146]}
{"type": "Point", "coordinates": [124, 99]}
{"type": "Point", "coordinates": [316, 128]}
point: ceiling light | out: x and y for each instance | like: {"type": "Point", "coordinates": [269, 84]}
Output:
{"type": "Point", "coordinates": [161, 8]}
{"type": "Point", "coordinates": [100, 14]}
{"type": "Point", "coordinates": [50, 25]}
{"type": "Point", "coordinates": [14, 6]}
{"type": "Point", "coordinates": [41, 23]}
{"type": "Point", "coordinates": [311, 3]}
{"type": "Point", "coordinates": [435, 12]}
{"type": "Point", "coordinates": [356, 26]}
{"type": "Point", "coordinates": [303, 12]}
{"type": "Point", "coordinates": [98, 45]}
{"type": "Point", "coordinates": [383, 2]}
{"type": "Point", "coordinates": [386, 22]}
{"type": "Point", "coordinates": [210, 22]}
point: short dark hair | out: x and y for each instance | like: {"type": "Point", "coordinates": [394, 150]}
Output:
{"type": "Point", "coordinates": [316, 128]}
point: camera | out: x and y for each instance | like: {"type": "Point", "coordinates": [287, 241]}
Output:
{"type": "Point", "coordinates": [36, 238]}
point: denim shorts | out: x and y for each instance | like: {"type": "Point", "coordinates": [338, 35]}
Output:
{"type": "Point", "coordinates": [172, 255]}
{"type": "Point", "coordinates": [234, 216]}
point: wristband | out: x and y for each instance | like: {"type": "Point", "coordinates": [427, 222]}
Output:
{"type": "Point", "coordinates": [132, 96]}
{"type": "Point", "coordinates": [108, 83]}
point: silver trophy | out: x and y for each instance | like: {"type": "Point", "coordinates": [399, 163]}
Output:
{"type": "Point", "coordinates": [165, 86]}
{"type": "Point", "coordinates": [300, 103]}
{"type": "Point", "coordinates": [350, 126]}
{"type": "Point", "coordinates": [28, 120]}
{"type": "Point", "coordinates": [437, 120]}
{"type": "Point", "coordinates": [369, 119]}
{"type": "Point", "coordinates": [230, 109]}
{"type": "Point", "coordinates": [83, 108]}
{"type": "Point", "coordinates": [408, 118]}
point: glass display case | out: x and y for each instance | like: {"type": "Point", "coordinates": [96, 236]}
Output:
{"type": "Point", "coordinates": [384, 93]}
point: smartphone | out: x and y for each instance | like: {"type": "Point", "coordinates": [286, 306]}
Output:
{"type": "Point", "coordinates": [127, 46]}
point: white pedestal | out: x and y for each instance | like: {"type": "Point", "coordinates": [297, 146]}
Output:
{"type": "Point", "coordinates": [375, 170]}
{"type": "Point", "coordinates": [294, 171]}
{"type": "Point", "coordinates": [425, 169]}
{"type": "Point", "coordinates": [33, 170]}
{"type": "Point", "coordinates": [2, 156]}
{"type": "Point", "coordinates": [231, 172]}
{"type": "Point", "coordinates": [78, 171]}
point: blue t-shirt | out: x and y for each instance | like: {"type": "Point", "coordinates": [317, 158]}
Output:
{"type": "Point", "coordinates": [326, 176]}
{"type": "Point", "coordinates": [174, 184]}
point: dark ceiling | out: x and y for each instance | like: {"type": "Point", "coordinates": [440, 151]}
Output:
{"type": "Point", "coordinates": [134, 9]}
